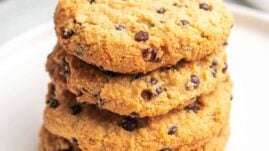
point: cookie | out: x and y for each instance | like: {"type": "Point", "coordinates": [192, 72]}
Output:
{"type": "Point", "coordinates": [130, 36]}
{"type": "Point", "coordinates": [50, 142]}
{"type": "Point", "coordinates": [96, 129]}
{"type": "Point", "coordinates": [140, 95]}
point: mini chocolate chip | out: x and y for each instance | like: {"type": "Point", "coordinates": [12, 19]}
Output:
{"type": "Point", "coordinates": [66, 33]}
{"type": "Point", "coordinates": [225, 43]}
{"type": "Point", "coordinates": [214, 62]}
{"type": "Point", "coordinates": [119, 27]}
{"type": "Point", "coordinates": [225, 68]}
{"type": "Point", "coordinates": [195, 107]}
{"type": "Point", "coordinates": [213, 67]}
{"type": "Point", "coordinates": [162, 22]}
{"type": "Point", "coordinates": [76, 109]}
{"type": "Point", "coordinates": [145, 53]}
{"type": "Point", "coordinates": [184, 22]}
{"type": "Point", "coordinates": [146, 94]}
{"type": "Point", "coordinates": [172, 130]}
{"type": "Point", "coordinates": [153, 81]}
{"type": "Point", "coordinates": [175, 4]}
{"type": "Point", "coordinates": [232, 97]}
{"type": "Point", "coordinates": [161, 11]}
{"type": "Point", "coordinates": [195, 80]}
{"type": "Point", "coordinates": [159, 90]}
{"type": "Point", "coordinates": [129, 123]}
{"type": "Point", "coordinates": [141, 36]}
{"type": "Point", "coordinates": [166, 149]}
{"type": "Point", "coordinates": [151, 54]}
{"type": "Point", "coordinates": [92, 1]}
{"type": "Point", "coordinates": [154, 57]}
{"type": "Point", "coordinates": [193, 83]}
{"type": "Point", "coordinates": [204, 6]}
{"type": "Point", "coordinates": [53, 103]}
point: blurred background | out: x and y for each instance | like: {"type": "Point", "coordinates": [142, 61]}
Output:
{"type": "Point", "coordinates": [18, 16]}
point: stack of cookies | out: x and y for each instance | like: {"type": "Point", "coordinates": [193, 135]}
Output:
{"type": "Point", "coordinates": [138, 75]}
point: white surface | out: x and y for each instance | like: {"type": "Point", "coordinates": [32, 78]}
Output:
{"type": "Point", "coordinates": [262, 4]}
{"type": "Point", "coordinates": [23, 82]}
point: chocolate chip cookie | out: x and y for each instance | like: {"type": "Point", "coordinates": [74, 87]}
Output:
{"type": "Point", "coordinates": [51, 142]}
{"type": "Point", "coordinates": [95, 129]}
{"type": "Point", "coordinates": [130, 36]}
{"type": "Point", "coordinates": [139, 95]}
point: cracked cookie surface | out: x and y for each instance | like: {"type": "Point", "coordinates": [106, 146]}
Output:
{"type": "Point", "coordinates": [140, 95]}
{"type": "Point", "coordinates": [96, 129]}
{"type": "Point", "coordinates": [130, 36]}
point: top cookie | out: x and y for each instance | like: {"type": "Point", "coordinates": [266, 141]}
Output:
{"type": "Point", "coordinates": [130, 36]}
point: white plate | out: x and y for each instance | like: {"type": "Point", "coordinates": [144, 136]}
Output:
{"type": "Point", "coordinates": [23, 83]}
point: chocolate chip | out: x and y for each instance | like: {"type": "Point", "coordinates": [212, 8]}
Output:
{"type": "Point", "coordinates": [193, 83]}
{"type": "Point", "coordinates": [141, 36]}
{"type": "Point", "coordinates": [151, 54]}
{"type": "Point", "coordinates": [184, 22]}
{"type": "Point", "coordinates": [175, 4]}
{"type": "Point", "coordinates": [119, 27]}
{"type": "Point", "coordinates": [153, 81]}
{"type": "Point", "coordinates": [172, 130]}
{"type": "Point", "coordinates": [213, 68]}
{"type": "Point", "coordinates": [53, 103]}
{"type": "Point", "coordinates": [129, 123]}
{"type": "Point", "coordinates": [66, 33]}
{"type": "Point", "coordinates": [195, 107]}
{"type": "Point", "coordinates": [154, 57]}
{"type": "Point", "coordinates": [92, 1]}
{"type": "Point", "coordinates": [204, 6]}
{"type": "Point", "coordinates": [166, 149]}
{"type": "Point", "coordinates": [145, 53]}
{"type": "Point", "coordinates": [225, 68]}
{"type": "Point", "coordinates": [159, 90]}
{"type": "Point", "coordinates": [146, 94]}
{"type": "Point", "coordinates": [161, 11]}
{"type": "Point", "coordinates": [214, 62]}
{"type": "Point", "coordinates": [76, 109]}
{"type": "Point", "coordinates": [225, 43]}
{"type": "Point", "coordinates": [232, 97]}
{"type": "Point", "coordinates": [195, 80]}
{"type": "Point", "coordinates": [162, 22]}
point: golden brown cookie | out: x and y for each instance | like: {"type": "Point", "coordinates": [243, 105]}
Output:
{"type": "Point", "coordinates": [50, 142]}
{"type": "Point", "coordinates": [140, 95]}
{"type": "Point", "coordinates": [130, 36]}
{"type": "Point", "coordinates": [98, 130]}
